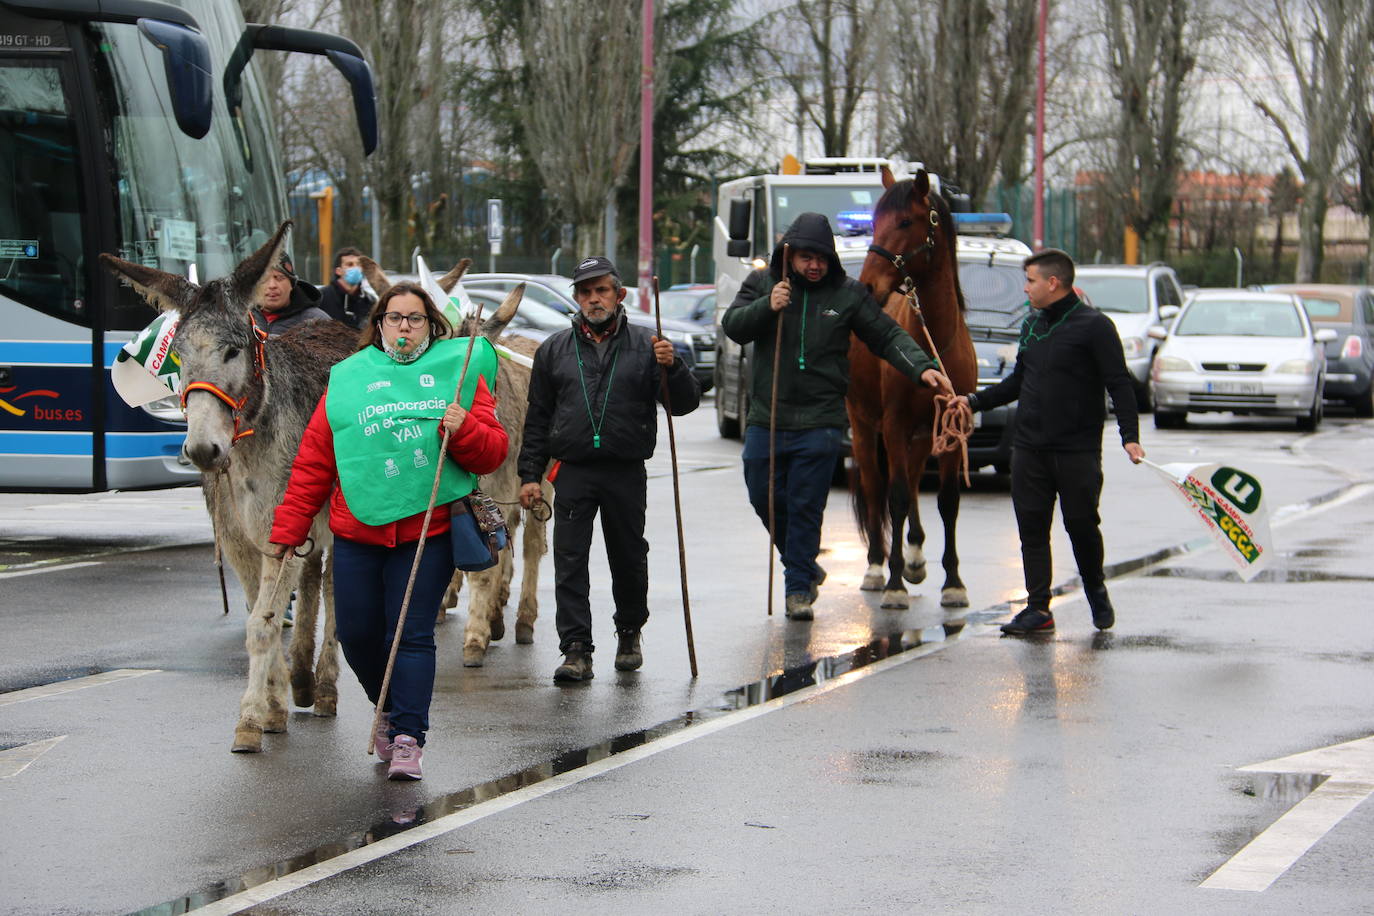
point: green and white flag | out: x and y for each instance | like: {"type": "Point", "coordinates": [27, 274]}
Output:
{"type": "Point", "coordinates": [146, 369]}
{"type": "Point", "coordinates": [456, 305]}
{"type": "Point", "coordinates": [1230, 504]}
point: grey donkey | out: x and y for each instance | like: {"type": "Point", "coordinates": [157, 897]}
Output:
{"type": "Point", "coordinates": [247, 403]}
{"type": "Point", "coordinates": [491, 587]}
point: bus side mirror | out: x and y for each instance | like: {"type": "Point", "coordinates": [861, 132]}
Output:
{"type": "Point", "coordinates": [186, 63]}
{"type": "Point", "coordinates": [346, 56]}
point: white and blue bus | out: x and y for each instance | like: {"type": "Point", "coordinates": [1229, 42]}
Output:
{"type": "Point", "coordinates": [134, 127]}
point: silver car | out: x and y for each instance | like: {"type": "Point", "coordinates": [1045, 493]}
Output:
{"type": "Point", "coordinates": [1241, 352]}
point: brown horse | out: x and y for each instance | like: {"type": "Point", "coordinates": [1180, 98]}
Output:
{"type": "Point", "coordinates": [912, 271]}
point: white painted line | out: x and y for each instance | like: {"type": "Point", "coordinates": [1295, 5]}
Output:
{"type": "Point", "coordinates": [1274, 851]}
{"type": "Point", "coordinates": [79, 683]}
{"type": "Point", "coordinates": [55, 567]}
{"type": "Point", "coordinates": [14, 760]}
{"type": "Point", "coordinates": [270, 890]}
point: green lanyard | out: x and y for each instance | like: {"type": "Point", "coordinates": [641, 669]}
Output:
{"type": "Point", "coordinates": [1028, 333]}
{"type": "Point", "coordinates": [594, 421]}
{"type": "Point", "coordinates": [801, 353]}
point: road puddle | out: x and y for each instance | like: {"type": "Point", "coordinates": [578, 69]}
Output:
{"type": "Point", "coordinates": [770, 688]}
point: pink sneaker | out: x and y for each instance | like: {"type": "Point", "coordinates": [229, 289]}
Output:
{"type": "Point", "coordinates": [405, 758]}
{"type": "Point", "coordinates": [381, 739]}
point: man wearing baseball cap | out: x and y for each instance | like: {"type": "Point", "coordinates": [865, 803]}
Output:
{"type": "Point", "coordinates": [592, 406]}
{"type": "Point", "coordinates": [285, 300]}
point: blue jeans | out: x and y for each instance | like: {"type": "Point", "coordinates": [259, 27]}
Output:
{"type": "Point", "coordinates": [805, 464]}
{"type": "Point", "coordinates": [369, 585]}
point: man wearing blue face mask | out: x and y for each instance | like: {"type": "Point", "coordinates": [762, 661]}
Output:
{"type": "Point", "coordinates": [344, 298]}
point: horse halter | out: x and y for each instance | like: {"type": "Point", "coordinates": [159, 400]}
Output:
{"type": "Point", "coordinates": [900, 261]}
{"type": "Point", "coordinates": [235, 405]}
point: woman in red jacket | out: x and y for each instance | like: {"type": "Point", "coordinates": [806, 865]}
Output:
{"type": "Point", "coordinates": [370, 449]}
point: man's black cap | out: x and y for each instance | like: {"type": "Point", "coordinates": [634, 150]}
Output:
{"type": "Point", "coordinates": [594, 267]}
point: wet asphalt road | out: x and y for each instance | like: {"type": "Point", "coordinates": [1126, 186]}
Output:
{"type": "Point", "coordinates": [1077, 773]}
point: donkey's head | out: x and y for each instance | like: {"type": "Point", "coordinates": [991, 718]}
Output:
{"type": "Point", "coordinates": [220, 350]}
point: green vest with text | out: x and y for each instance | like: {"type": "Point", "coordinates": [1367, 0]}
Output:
{"type": "Point", "coordinates": [385, 419]}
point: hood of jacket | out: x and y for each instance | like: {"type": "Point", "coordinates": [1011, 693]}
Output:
{"type": "Point", "coordinates": [809, 232]}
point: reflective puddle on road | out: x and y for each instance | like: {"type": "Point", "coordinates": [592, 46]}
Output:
{"type": "Point", "coordinates": [788, 681]}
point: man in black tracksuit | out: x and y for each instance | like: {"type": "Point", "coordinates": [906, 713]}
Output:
{"type": "Point", "coordinates": [593, 406]}
{"type": "Point", "coordinates": [1069, 352]}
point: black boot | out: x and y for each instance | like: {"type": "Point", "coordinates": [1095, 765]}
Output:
{"type": "Point", "coordinates": [628, 656]}
{"type": "Point", "coordinates": [577, 664]}
{"type": "Point", "coordinates": [1103, 613]}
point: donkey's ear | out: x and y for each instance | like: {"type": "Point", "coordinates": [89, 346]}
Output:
{"type": "Point", "coordinates": [449, 280]}
{"type": "Point", "coordinates": [163, 291]}
{"type": "Point", "coordinates": [922, 184]}
{"type": "Point", "coordinates": [888, 180]}
{"type": "Point", "coordinates": [375, 275]}
{"type": "Point", "coordinates": [493, 326]}
{"type": "Point", "coordinates": [252, 270]}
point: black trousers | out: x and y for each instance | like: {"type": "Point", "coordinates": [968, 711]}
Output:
{"type": "Point", "coordinates": [1075, 478]}
{"type": "Point", "coordinates": [617, 490]}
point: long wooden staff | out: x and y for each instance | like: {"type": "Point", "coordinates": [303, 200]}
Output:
{"type": "Point", "coordinates": [773, 435]}
{"type": "Point", "coordinates": [424, 534]}
{"type": "Point", "coordinates": [677, 493]}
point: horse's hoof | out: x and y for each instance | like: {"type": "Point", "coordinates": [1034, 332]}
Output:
{"type": "Point", "coordinates": [894, 600]}
{"type": "Point", "coordinates": [276, 722]}
{"type": "Point", "coordinates": [303, 690]}
{"type": "Point", "coordinates": [524, 634]}
{"type": "Point", "coordinates": [474, 656]}
{"type": "Point", "coordinates": [441, 616]}
{"type": "Point", "coordinates": [247, 740]}
{"type": "Point", "coordinates": [954, 597]}
{"type": "Point", "coordinates": [498, 628]}
{"type": "Point", "coordinates": [326, 707]}
{"type": "Point", "coordinates": [873, 582]}
{"type": "Point", "coordinates": [914, 574]}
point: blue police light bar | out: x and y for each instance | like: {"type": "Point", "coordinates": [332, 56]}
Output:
{"type": "Point", "coordinates": [982, 223]}
{"type": "Point", "coordinates": [854, 222]}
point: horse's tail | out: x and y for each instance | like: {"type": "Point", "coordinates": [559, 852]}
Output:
{"type": "Point", "coordinates": [858, 495]}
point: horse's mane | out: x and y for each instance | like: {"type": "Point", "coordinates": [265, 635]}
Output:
{"type": "Point", "coordinates": [901, 197]}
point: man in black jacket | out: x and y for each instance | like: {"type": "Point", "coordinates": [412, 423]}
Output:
{"type": "Point", "coordinates": [592, 406]}
{"type": "Point", "coordinates": [285, 300]}
{"type": "Point", "coordinates": [344, 298]}
{"type": "Point", "coordinates": [819, 307]}
{"type": "Point", "coordinates": [1069, 352]}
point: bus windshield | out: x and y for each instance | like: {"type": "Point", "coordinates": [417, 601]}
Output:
{"type": "Point", "coordinates": [180, 201]}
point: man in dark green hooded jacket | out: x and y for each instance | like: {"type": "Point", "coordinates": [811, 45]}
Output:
{"type": "Point", "coordinates": [819, 307]}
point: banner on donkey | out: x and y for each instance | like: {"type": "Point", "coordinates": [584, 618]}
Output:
{"type": "Point", "coordinates": [1230, 505]}
{"type": "Point", "coordinates": [146, 369]}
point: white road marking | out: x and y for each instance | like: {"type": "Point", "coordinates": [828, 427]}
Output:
{"type": "Point", "coordinates": [50, 567]}
{"type": "Point", "coordinates": [14, 760]}
{"type": "Point", "coordinates": [79, 683]}
{"type": "Point", "coordinates": [1273, 852]}
{"type": "Point", "coordinates": [270, 890]}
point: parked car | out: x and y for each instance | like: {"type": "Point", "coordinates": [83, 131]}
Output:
{"type": "Point", "coordinates": [992, 281]}
{"type": "Point", "coordinates": [1240, 351]}
{"type": "Point", "coordinates": [696, 346]}
{"type": "Point", "coordinates": [1349, 311]}
{"type": "Point", "coordinates": [533, 319]}
{"type": "Point", "coordinates": [1136, 298]}
{"type": "Point", "coordinates": [696, 304]}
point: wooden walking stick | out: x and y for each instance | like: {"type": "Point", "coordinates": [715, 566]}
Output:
{"type": "Point", "coordinates": [424, 534]}
{"type": "Point", "coordinates": [773, 435]}
{"type": "Point", "coordinates": [677, 493]}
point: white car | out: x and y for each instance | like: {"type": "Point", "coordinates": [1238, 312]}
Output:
{"type": "Point", "coordinates": [1241, 352]}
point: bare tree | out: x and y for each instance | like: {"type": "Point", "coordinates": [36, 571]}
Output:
{"type": "Point", "coordinates": [1322, 45]}
{"type": "Point", "coordinates": [961, 89]}
{"type": "Point", "coordinates": [823, 50]}
{"type": "Point", "coordinates": [1362, 140]}
{"type": "Point", "coordinates": [1148, 60]}
{"type": "Point", "coordinates": [581, 107]}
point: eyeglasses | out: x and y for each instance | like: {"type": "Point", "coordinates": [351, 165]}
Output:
{"type": "Point", "coordinates": [394, 319]}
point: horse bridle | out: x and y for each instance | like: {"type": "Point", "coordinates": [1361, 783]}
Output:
{"type": "Point", "coordinates": [235, 405]}
{"type": "Point", "coordinates": [900, 261]}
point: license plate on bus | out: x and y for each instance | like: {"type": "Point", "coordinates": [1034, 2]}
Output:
{"type": "Point", "coordinates": [1233, 388]}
